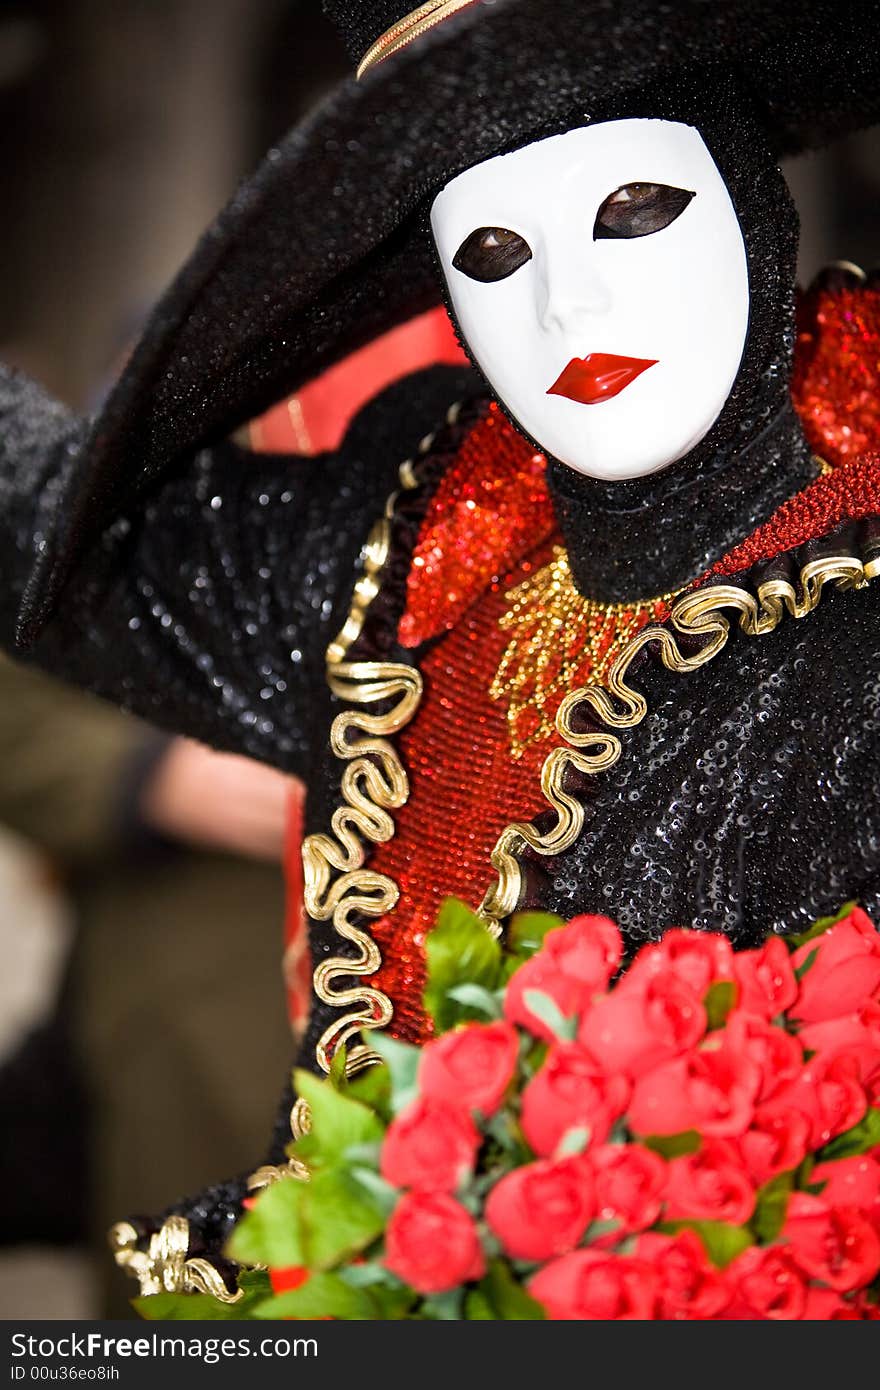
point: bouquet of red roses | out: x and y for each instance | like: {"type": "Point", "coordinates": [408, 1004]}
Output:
{"type": "Point", "coordinates": [696, 1137]}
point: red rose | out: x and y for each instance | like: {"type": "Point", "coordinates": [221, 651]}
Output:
{"type": "Point", "coordinates": [631, 1030]}
{"type": "Point", "coordinates": [570, 1092]}
{"type": "Point", "coordinates": [588, 950]}
{"type": "Point", "coordinates": [829, 1093]}
{"type": "Point", "coordinates": [690, 1289]}
{"type": "Point", "coordinates": [431, 1146]}
{"type": "Point", "coordinates": [542, 1209]}
{"type": "Point", "coordinates": [845, 973]}
{"type": "Point", "coordinates": [431, 1243]}
{"type": "Point", "coordinates": [589, 1286]}
{"type": "Point", "coordinates": [824, 1305]}
{"type": "Point", "coordinates": [858, 1034]}
{"type": "Point", "coordinates": [697, 958]}
{"type": "Point", "coordinates": [470, 1067]}
{"type": "Point", "coordinates": [542, 974]}
{"type": "Point", "coordinates": [574, 963]}
{"type": "Point", "coordinates": [767, 983]}
{"type": "Point", "coordinates": [629, 1185]}
{"type": "Point", "coordinates": [834, 1244]}
{"type": "Point", "coordinates": [765, 1284]}
{"type": "Point", "coordinates": [778, 1056]}
{"type": "Point", "coordinates": [852, 1182]}
{"type": "Point", "coordinates": [867, 1307]}
{"type": "Point", "coordinates": [711, 1090]}
{"type": "Point", "coordinates": [710, 1185]}
{"type": "Point", "coordinates": [777, 1140]}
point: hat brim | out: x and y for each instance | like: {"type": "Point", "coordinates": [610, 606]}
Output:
{"type": "Point", "coordinates": [315, 254]}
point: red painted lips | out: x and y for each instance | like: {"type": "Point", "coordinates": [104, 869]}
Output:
{"type": "Point", "coordinates": [598, 376]}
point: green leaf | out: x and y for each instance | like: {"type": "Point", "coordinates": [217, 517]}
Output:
{"type": "Point", "coordinates": [395, 1301]}
{"type": "Point", "coordinates": [382, 1193]}
{"type": "Point", "coordinates": [364, 1155]}
{"type": "Point", "coordinates": [819, 928]}
{"type": "Point", "coordinates": [444, 1307]}
{"type": "Point", "coordinates": [367, 1274]}
{"type": "Point", "coordinates": [338, 1218]}
{"type": "Point", "coordinates": [477, 1307]}
{"type": "Point", "coordinates": [506, 1296]}
{"type": "Point", "coordinates": [337, 1069]}
{"type": "Point", "coordinates": [270, 1233]}
{"type": "Point", "coordinates": [372, 1088]}
{"type": "Point", "coordinates": [719, 1001]}
{"type": "Point", "coordinates": [771, 1206]}
{"type": "Point", "coordinates": [392, 1298]}
{"type": "Point", "coordinates": [527, 930]}
{"type": "Point", "coordinates": [721, 1241]}
{"type": "Point", "coordinates": [338, 1122]}
{"type": "Point", "coordinates": [532, 1054]}
{"type": "Point", "coordinates": [807, 964]}
{"type": "Point", "coordinates": [597, 1229]}
{"type": "Point", "coordinates": [858, 1140]}
{"type": "Point", "coordinates": [402, 1062]}
{"type": "Point", "coordinates": [315, 1224]}
{"type": "Point", "coordinates": [674, 1145]}
{"type": "Point", "coordinates": [477, 997]}
{"type": "Point", "coordinates": [322, 1296]}
{"type": "Point", "coordinates": [459, 951]}
{"type": "Point", "coordinates": [550, 1014]}
{"type": "Point", "coordinates": [573, 1141]}
{"type": "Point", "coordinates": [198, 1307]}
{"type": "Point", "coordinates": [503, 1128]}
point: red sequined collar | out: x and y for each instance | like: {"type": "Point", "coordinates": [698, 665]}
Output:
{"type": "Point", "coordinates": [492, 508]}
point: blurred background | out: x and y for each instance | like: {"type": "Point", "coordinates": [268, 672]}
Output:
{"type": "Point", "coordinates": [142, 1027]}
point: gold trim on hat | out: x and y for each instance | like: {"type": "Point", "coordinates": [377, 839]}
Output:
{"type": "Point", "coordinates": [412, 26]}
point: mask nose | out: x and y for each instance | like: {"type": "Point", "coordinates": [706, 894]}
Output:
{"type": "Point", "coordinates": [569, 291]}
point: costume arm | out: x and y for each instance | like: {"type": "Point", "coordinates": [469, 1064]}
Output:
{"type": "Point", "coordinates": [203, 612]}
{"type": "Point", "coordinates": [208, 609]}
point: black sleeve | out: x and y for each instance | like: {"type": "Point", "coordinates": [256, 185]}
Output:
{"type": "Point", "coordinates": [208, 611]}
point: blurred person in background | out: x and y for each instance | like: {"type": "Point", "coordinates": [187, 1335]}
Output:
{"type": "Point", "coordinates": [170, 857]}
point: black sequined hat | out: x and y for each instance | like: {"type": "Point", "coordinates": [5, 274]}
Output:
{"type": "Point", "coordinates": [325, 246]}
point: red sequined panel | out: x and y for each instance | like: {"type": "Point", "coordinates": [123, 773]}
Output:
{"type": "Point", "coordinates": [491, 506]}
{"type": "Point", "coordinates": [836, 381]}
{"type": "Point", "coordinates": [465, 787]}
{"type": "Point", "coordinates": [852, 491]}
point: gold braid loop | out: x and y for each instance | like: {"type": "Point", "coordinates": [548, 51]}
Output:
{"type": "Point", "coordinates": [618, 705]}
{"type": "Point", "coordinates": [337, 886]}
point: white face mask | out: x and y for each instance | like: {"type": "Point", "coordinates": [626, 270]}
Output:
{"type": "Point", "coordinates": [600, 280]}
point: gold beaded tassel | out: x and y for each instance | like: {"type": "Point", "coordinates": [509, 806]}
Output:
{"type": "Point", "coordinates": [558, 635]}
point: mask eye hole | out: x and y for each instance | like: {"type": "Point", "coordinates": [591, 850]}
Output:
{"type": "Point", "coordinates": [491, 253]}
{"type": "Point", "coordinates": [639, 209]}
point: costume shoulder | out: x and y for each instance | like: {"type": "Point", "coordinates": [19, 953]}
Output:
{"type": "Point", "coordinates": [836, 380]}
{"type": "Point", "coordinates": [208, 607]}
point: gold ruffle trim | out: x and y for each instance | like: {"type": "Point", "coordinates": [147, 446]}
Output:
{"type": "Point", "coordinates": [164, 1267]}
{"type": "Point", "coordinates": [555, 633]}
{"type": "Point", "coordinates": [698, 613]}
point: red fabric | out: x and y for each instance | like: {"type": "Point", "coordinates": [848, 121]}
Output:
{"type": "Point", "coordinates": [852, 491]}
{"type": "Point", "coordinates": [487, 511]}
{"type": "Point", "coordinates": [836, 380]}
{"type": "Point", "coordinates": [316, 417]}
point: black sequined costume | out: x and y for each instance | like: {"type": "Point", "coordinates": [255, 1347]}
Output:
{"type": "Point", "coordinates": [746, 801]}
